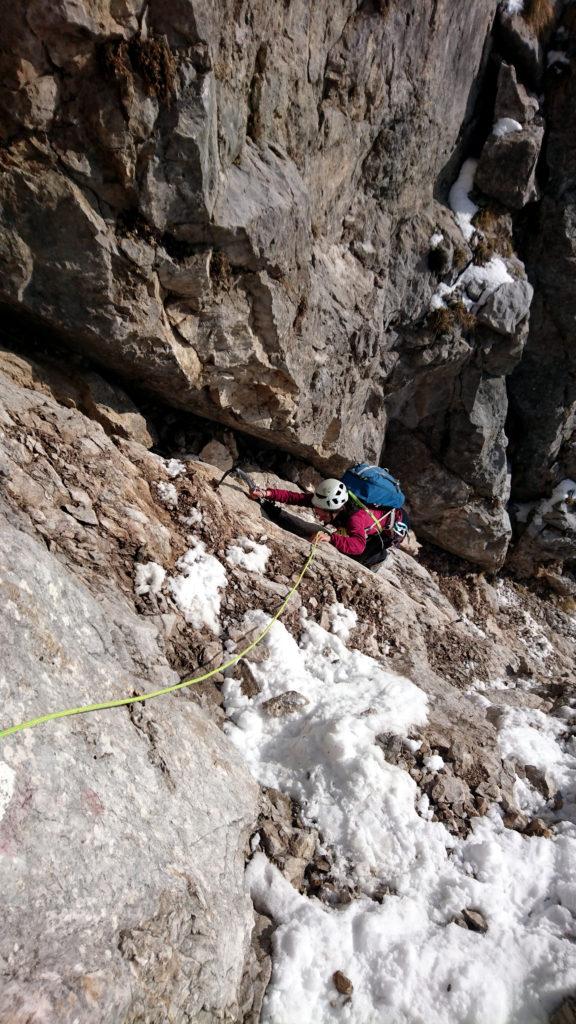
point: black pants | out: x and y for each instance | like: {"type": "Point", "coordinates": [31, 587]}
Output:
{"type": "Point", "coordinates": [375, 551]}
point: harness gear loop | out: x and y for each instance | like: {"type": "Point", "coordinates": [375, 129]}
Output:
{"type": "Point", "coordinates": [123, 701]}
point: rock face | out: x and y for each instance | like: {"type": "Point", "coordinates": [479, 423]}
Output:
{"type": "Point", "coordinates": [122, 833]}
{"type": "Point", "coordinates": [233, 206]}
{"type": "Point", "coordinates": [242, 202]}
{"type": "Point", "coordinates": [512, 98]}
{"type": "Point", "coordinates": [506, 307]}
{"type": "Point", "coordinates": [542, 390]}
{"type": "Point", "coordinates": [507, 168]}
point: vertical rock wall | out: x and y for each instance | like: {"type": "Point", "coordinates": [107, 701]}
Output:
{"type": "Point", "coordinates": [233, 206]}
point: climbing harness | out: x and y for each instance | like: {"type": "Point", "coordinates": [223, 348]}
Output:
{"type": "Point", "coordinates": [123, 701]}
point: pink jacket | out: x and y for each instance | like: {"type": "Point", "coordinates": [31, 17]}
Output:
{"type": "Point", "coordinates": [358, 524]}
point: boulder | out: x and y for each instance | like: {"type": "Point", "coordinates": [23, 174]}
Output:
{"type": "Point", "coordinates": [284, 704]}
{"type": "Point", "coordinates": [217, 454]}
{"type": "Point", "coordinates": [550, 535]}
{"type": "Point", "coordinates": [507, 167]}
{"type": "Point", "coordinates": [506, 307]}
{"type": "Point", "coordinates": [474, 920]}
{"type": "Point", "coordinates": [188, 277]}
{"type": "Point", "coordinates": [521, 45]}
{"type": "Point", "coordinates": [512, 98]}
{"type": "Point", "coordinates": [110, 406]}
{"type": "Point", "coordinates": [446, 509]}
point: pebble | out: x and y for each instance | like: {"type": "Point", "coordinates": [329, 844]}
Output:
{"type": "Point", "coordinates": [342, 983]}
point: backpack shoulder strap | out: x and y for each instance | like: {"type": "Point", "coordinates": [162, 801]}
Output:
{"type": "Point", "coordinates": [377, 522]}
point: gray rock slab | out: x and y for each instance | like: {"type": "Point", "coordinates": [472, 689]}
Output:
{"type": "Point", "coordinates": [512, 98]}
{"type": "Point", "coordinates": [506, 307]}
{"type": "Point", "coordinates": [122, 832]}
{"type": "Point", "coordinates": [507, 167]}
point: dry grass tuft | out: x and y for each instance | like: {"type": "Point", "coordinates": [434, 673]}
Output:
{"type": "Point", "coordinates": [440, 321]}
{"type": "Point", "coordinates": [447, 318]}
{"type": "Point", "coordinates": [463, 317]}
{"type": "Point", "coordinates": [149, 59]}
{"type": "Point", "coordinates": [461, 258]}
{"type": "Point", "coordinates": [220, 270]}
{"type": "Point", "coordinates": [541, 16]}
{"type": "Point", "coordinates": [495, 224]}
{"type": "Point", "coordinates": [153, 60]}
{"type": "Point", "coordinates": [483, 252]}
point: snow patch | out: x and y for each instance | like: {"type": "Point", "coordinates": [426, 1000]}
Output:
{"type": "Point", "coordinates": [175, 468]}
{"type": "Point", "coordinates": [325, 755]}
{"type": "Point", "coordinates": [531, 737]}
{"type": "Point", "coordinates": [459, 199]}
{"type": "Point", "coordinates": [504, 126]}
{"type": "Point", "coordinates": [342, 620]}
{"type": "Point", "coordinates": [485, 279]}
{"type": "Point", "coordinates": [194, 518]}
{"type": "Point", "coordinates": [475, 285]}
{"type": "Point", "coordinates": [248, 554]}
{"type": "Point", "coordinates": [148, 578]}
{"type": "Point", "coordinates": [436, 240]}
{"type": "Point", "coordinates": [557, 57]}
{"type": "Point", "coordinates": [7, 780]}
{"type": "Point", "coordinates": [523, 510]}
{"type": "Point", "coordinates": [196, 591]}
{"type": "Point", "coordinates": [434, 763]}
{"type": "Point", "coordinates": [406, 957]}
{"type": "Point", "coordinates": [563, 493]}
{"type": "Point", "coordinates": [167, 494]}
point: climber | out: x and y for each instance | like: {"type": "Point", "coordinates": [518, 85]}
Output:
{"type": "Point", "coordinates": [363, 531]}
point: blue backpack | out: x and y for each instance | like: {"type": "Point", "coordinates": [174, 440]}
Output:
{"type": "Point", "coordinates": [374, 486]}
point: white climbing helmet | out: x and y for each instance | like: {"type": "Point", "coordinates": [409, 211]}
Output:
{"type": "Point", "coordinates": [330, 495]}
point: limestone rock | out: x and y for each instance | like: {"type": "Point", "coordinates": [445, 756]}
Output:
{"type": "Point", "coordinates": [110, 406]}
{"type": "Point", "coordinates": [140, 781]}
{"type": "Point", "coordinates": [284, 704]}
{"type": "Point", "coordinates": [566, 1012]}
{"type": "Point", "coordinates": [507, 167]}
{"type": "Point", "coordinates": [218, 455]}
{"type": "Point", "coordinates": [537, 827]}
{"type": "Point", "coordinates": [163, 775]}
{"type": "Point", "coordinates": [541, 780]}
{"type": "Point", "coordinates": [506, 307]}
{"type": "Point", "coordinates": [189, 277]}
{"type": "Point", "coordinates": [512, 98]}
{"type": "Point", "coordinates": [232, 226]}
{"type": "Point", "coordinates": [445, 506]}
{"type": "Point", "coordinates": [542, 393]}
{"type": "Point", "coordinates": [521, 44]}
{"type": "Point", "coordinates": [550, 535]}
{"type": "Point", "coordinates": [342, 983]}
{"type": "Point", "coordinates": [474, 920]}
